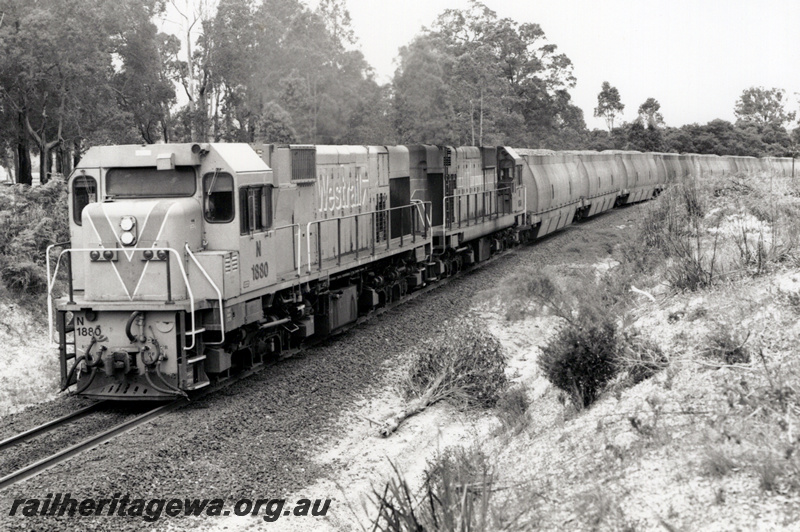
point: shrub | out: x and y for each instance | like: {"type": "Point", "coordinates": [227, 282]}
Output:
{"type": "Point", "coordinates": [456, 495]}
{"type": "Point", "coordinates": [512, 408]}
{"type": "Point", "coordinates": [31, 218]}
{"type": "Point", "coordinates": [638, 357]}
{"type": "Point", "coordinates": [465, 364]}
{"type": "Point", "coordinates": [581, 358]}
{"type": "Point", "coordinates": [673, 225]}
{"type": "Point", "coordinates": [24, 278]}
{"type": "Point", "coordinates": [727, 344]}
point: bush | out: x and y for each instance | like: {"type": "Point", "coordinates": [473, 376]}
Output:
{"type": "Point", "coordinates": [456, 496]}
{"type": "Point", "coordinates": [581, 358]}
{"type": "Point", "coordinates": [512, 409]}
{"type": "Point", "coordinates": [464, 364]}
{"type": "Point", "coordinates": [31, 218]}
{"type": "Point", "coordinates": [639, 357]}
{"type": "Point", "coordinates": [24, 278]}
{"type": "Point", "coordinates": [674, 226]}
{"type": "Point", "coordinates": [727, 344]}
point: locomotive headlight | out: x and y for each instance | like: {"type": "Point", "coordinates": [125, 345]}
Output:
{"type": "Point", "coordinates": [94, 255]}
{"type": "Point", "coordinates": [127, 238]}
{"type": "Point", "coordinates": [127, 223]}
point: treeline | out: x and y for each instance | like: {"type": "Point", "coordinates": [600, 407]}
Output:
{"type": "Point", "coordinates": [761, 128]}
{"type": "Point", "coordinates": [76, 73]}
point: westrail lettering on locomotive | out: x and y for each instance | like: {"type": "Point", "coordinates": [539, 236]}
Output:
{"type": "Point", "coordinates": [341, 189]}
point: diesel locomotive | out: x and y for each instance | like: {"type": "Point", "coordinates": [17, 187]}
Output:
{"type": "Point", "coordinates": [188, 262]}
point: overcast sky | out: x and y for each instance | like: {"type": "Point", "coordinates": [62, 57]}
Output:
{"type": "Point", "coordinates": [694, 56]}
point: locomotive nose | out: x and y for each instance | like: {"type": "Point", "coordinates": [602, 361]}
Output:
{"type": "Point", "coordinates": [130, 235]}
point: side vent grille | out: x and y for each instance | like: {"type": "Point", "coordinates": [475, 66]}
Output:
{"type": "Point", "coordinates": [231, 262]}
{"type": "Point", "coordinates": [304, 163]}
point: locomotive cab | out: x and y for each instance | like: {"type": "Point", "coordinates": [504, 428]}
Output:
{"type": "Point", "coordinates": [155, 237]}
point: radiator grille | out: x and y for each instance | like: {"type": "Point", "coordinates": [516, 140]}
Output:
{"type": "Point", "coordinates": [231, 263]}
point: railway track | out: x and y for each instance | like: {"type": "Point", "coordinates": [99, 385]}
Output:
{"type": "Point", "coordinates": [85, 445]}
{"type": "Point", "coordinates": [128, 425]}
{"type": "Point", "coordinates": [50, 426]}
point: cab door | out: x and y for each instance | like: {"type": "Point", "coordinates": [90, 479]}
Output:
{"type": "Point", "coordinates": [259, 262]}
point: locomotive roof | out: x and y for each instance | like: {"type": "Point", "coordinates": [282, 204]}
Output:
{"type": "Point", "coordinates": [239, 157]}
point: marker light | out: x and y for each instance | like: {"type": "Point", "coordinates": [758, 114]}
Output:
{"type": "Point", "coordinates": [127, 223]}
{"type": "Point", "coordinates": [127, 238]}
{"type": "Point", "coordinates": [162, 255]}
{"type": "Point", "coordinates": [148, 254]}
{"type": "Point", "coordinates": [94, 255]}
{"type": "Point", "coordinates": [108, 255]}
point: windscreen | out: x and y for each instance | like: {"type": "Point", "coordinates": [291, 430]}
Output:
{"type": "Point", "coordinates": [148, 182]}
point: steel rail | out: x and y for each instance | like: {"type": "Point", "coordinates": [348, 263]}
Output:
{"type": "Point", "coordinates": [50, 425]}
{"type": "Point", "coordinates": [90, 443]}
{"type": "Point", "coordinates": [87, 444]}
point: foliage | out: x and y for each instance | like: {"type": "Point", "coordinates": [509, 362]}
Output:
{"type": "Point", "coordinates": [763, 107]}
{"type": "Point", "coordinates": [474, 78]}
{"type": "Point", "coordinates": [727, 344]}
{"type": "Point", "coordinates": [30, 220]}
{"type": "Point", "coordinates": [609, 104]}
{"type": "Point", "coordinates": [513, 407]}
{"type": "Point", "coordinates": [649, 113]}
{"type": "Point", "coordinates": [58, 78]}
{"type": "Point", "coordinates": [23, 277]}
{"type": "Point", "coordinates": [580, 358]}
{"type": "Point", "coordinates": [144, 84]}
{"type": "Point", "coordinates": [464, 364]}
{"type": "Point", "coordinates": [457, 495]}
{"type": "Point", "coordinates": [277, 71]}
{"type": "Point", "coordinates": [643, 137]}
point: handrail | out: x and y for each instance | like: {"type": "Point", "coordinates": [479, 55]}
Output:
{"type": "Point", "coordinates": [339, 219]}
{"type": "Point", "coordinates": [298, 259]}
{"type": "Point", "coordinates": [50, 288]}
{"type": "Point", "coordinates": [154, 248]}
{"type": "Point", "coordinates": [420, 206]}
{"type": "Point", "coordinates": [219, 297]}
{"type": "Point", "coordinates": [492, 192]}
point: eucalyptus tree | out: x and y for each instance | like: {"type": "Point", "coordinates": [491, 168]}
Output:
{"type": "Point", "coordinates": [475, 78]}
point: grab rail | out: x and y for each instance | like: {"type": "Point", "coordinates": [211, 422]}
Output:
{"type": "Point", "coordinates": [426, 233]}
{"type": "Point", "coordinates": [51, 283]}
{"type": "Point", "coordinates": [298, 255]}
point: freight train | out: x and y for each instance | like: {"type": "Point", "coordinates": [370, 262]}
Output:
{"type": "Point", "coordinates": [189, 262]}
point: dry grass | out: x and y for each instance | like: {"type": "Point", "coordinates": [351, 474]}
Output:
{"type": "Point", "coordinates": [513, 409]}
{"type": "Point", "coordinates": [457, 495]}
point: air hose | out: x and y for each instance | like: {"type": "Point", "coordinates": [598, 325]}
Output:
{"type": "Point", "coordinates": [135, 314]}
{"type": "Point", "coordinates": [88, 382]}
{"type": "Point", "coordinates": [171, 389]}
{"type": "Point", "coordinates": [90, 361]}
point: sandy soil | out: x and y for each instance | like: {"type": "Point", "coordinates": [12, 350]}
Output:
{"type": "Point", "coordinates": [30, 371]}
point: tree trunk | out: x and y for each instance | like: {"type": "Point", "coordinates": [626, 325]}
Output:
{"type": "Point", "coordinates": [480, 130]}
{"type": "Point", "coordinates": [22, 155]}
{"type": "Point", "coordinates": [64, 160]}
{"type": "Point", "coordinates": [76, 152]}
{"type": "Point", "coordinates": [472, 119]}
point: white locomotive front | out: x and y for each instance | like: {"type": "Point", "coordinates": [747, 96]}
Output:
{"type": "Point", "coordinates": [151, 253]}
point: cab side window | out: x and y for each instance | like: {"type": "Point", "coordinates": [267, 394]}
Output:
{"type": "Point", "coordinates": [255, 208]}
{"type": "Point", "coordinates": [84, 192]}
{"type": "Point", "coordinates": [218, 197]}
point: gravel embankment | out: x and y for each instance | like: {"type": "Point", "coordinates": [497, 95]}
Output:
{"type": "Point", "coordinates": [253, 439]}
